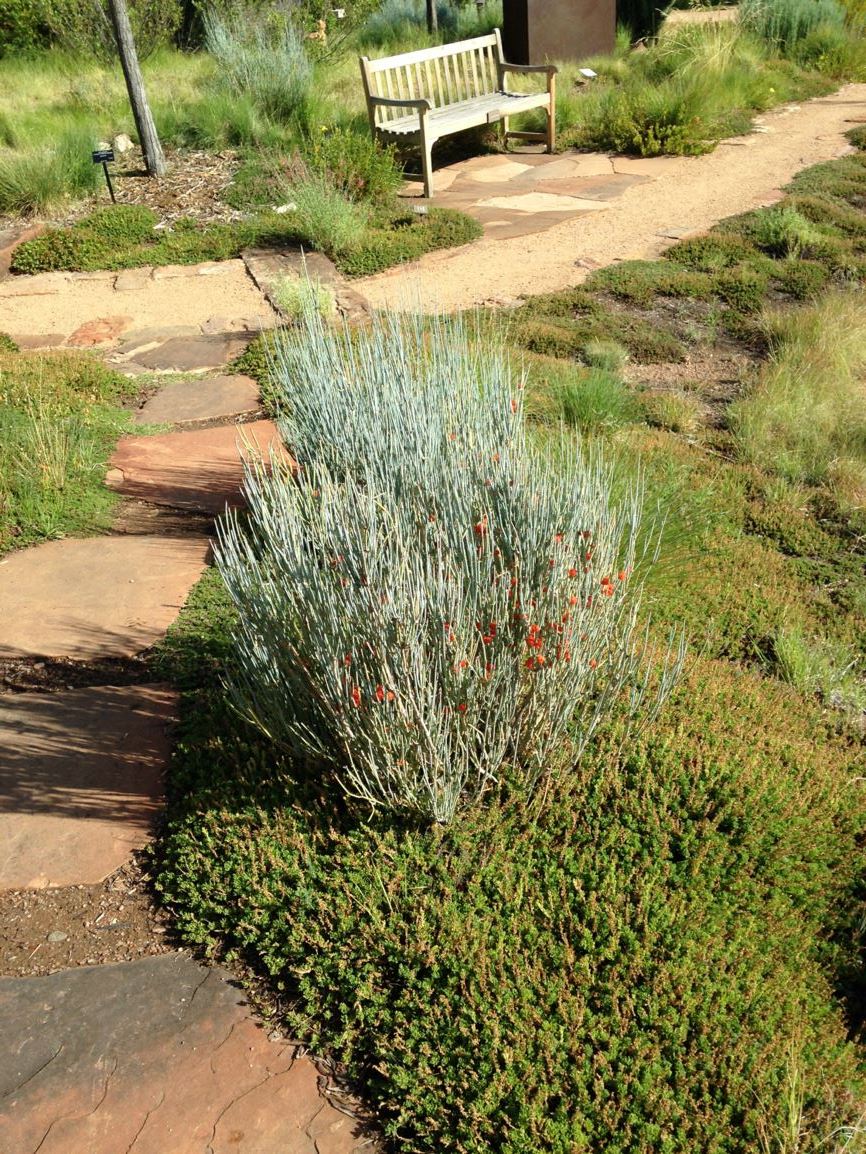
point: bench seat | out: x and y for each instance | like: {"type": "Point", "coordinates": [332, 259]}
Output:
{"type": "Point", "coordinates": [468, 114]}
{"type": "Point", "coordinates": [437, 92]}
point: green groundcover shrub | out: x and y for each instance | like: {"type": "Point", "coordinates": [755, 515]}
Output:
{"type": "Point", "coordinates": [638, 963]}
{"type": "Point", "coordinates": [123, 236]}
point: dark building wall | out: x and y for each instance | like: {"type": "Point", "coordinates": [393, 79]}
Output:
{"type": "Point", "coordinates": [538, 30]}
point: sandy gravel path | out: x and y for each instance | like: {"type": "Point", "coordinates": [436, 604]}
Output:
{"type": "Point", "coordinates": [687, 194]}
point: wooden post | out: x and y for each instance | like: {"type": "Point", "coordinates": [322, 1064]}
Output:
{"type": "Point", "coordinates": [150, 146]}
{"type": "Point", "coordinates": [432, 16]}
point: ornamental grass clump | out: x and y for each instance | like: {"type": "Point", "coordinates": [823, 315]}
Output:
{"type": "Point", "coordinates": [427, 605]}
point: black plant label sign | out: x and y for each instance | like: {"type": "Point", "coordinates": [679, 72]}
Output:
{"type": "Point", "coordinates": [103, 156]}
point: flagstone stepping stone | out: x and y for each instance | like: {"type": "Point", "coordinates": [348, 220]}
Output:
{"type": "Point", "coordinates": [102, 331]}
{"type": "Point", "coordinates": [593, 188]}
{"type": "Point", "coordinates": [267, 268]}
{"type": "Point", "coordinates": [499, 173]}
{"type": "Point", "coordinates": [542, 202]}
{"type": "Point", "coordinates": [29, 341]}
{"type": "Point", "coordinates": [196, 469]}
{"type": "Point", "coordinates": [581, 164]}
{"type": "Point", "coordinates": [158, 1056]}
{"type": "Point", "coordinates": [646, 165]}
{"type": "Point", "coordinates": [80, 781]}
{"type": "Point", "coordinates": [195, 354]}
{"type": "Point", "coordinates": [203, 399]}
{"type": "Point", "coordinates": [96, 597]}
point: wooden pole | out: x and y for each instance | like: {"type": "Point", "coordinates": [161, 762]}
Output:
{"type": "Point", "coordinates": [432, 16]}
{"type": "Point", "coordinates": [150, 146]}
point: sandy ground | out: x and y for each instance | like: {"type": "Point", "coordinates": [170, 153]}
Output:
{"type": "Point", "coordinates": [688, 194]}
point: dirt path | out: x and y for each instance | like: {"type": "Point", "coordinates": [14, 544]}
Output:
{"type": "Point", "coordinates": [687, 194]}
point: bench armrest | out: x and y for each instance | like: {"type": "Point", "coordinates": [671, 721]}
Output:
{"type": "Point", "coordinates": [550, 70]}
{"type": "Point", "coordinates": [387, 102]}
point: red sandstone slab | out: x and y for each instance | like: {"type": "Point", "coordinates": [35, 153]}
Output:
{"type": "Point", "coordinates": [199, 469]}
{"type": "Point", "coordinates": [10, 239]}
{"type": "Point", "coordinates": [158, 1056]}
{"type": "Point", "coordinates": [99, 597]}
{"type": "Point", "coordinates": [202, 399]}
{"type": "Point", "coordinates": [102, 331]}
{"type": "Point", "coordinates": [80, 781]}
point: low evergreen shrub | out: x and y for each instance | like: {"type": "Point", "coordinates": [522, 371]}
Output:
{"type": "Point", "coordinates": [358, 166]}
{"type": "Point", "coordinates": [637, 965]}
{"type": "Point", "coordinates": [743, 288]}
{"type": "Point", "coordinates": [711, 253]}
{"type": "Point", "coordinates": [639, 282]}
{"type": "Point", "coordinates": [359, 241]}
{"type": "Point", "coordinates": [801, 279]}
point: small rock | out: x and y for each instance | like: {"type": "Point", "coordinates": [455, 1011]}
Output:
{"type": "Point", "coordinates": [102, 145]}
{"type": "Point", "coordinates": [282, 208]}
{"type": "Point", "coordinates": [57, 936]}
{"type": "Point", "coordinates": [122, 143]}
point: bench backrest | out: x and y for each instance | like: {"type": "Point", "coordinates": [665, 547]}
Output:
{"type": "Point", "coordinates": [447, 74]}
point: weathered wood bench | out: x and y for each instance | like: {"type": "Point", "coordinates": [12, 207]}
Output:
{"type": "Point", "coordinates": [436, 92]}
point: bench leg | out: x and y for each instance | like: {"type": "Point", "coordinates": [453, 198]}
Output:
{"type": "Point", "coordinates": [551, 117]}
{"type": "Point", "coordinates": [427, 164]}
{"type": "Point", "coordinates": [504, 132]}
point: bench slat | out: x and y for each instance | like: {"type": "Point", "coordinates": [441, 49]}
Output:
{"type": "Point", "coordinates": [441, 95]}
{"type": "Point", "coordinates": [471, 113]}
{"type": "Point", "coordinates": [473, 63]}
{"type": "Point", "coordinates": [431, 84]}
{"type": "Point", "coordinates": [440, 52]}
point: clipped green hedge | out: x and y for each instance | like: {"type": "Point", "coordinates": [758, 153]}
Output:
{"type": "Point", "coordinates": [637, 966]}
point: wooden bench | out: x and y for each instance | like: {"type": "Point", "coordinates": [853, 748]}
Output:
{"type": "Point", "coordinates": [436, 92]}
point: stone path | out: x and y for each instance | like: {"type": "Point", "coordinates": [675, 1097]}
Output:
{"type": "Point", "coordinates": [159, 1055]}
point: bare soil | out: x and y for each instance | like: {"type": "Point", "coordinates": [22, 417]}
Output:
{"type": "Point", "coordinates": [42, 931]}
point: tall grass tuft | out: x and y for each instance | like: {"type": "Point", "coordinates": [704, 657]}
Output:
{"type": "Point", "coordinates": [808, 408]}
{"type": "Point", "coordinates": [428, 605]}
{"type": "Point", "coordinates": [784, 23]}
{"type": "Point", "coordinates": [262, 59]}
{"type": "Point", "coordinates": [325, 217]}
{"type": "Point", "coordinates": [32, 180]}
{"type": "Point", "coordinates": [58, 420]}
